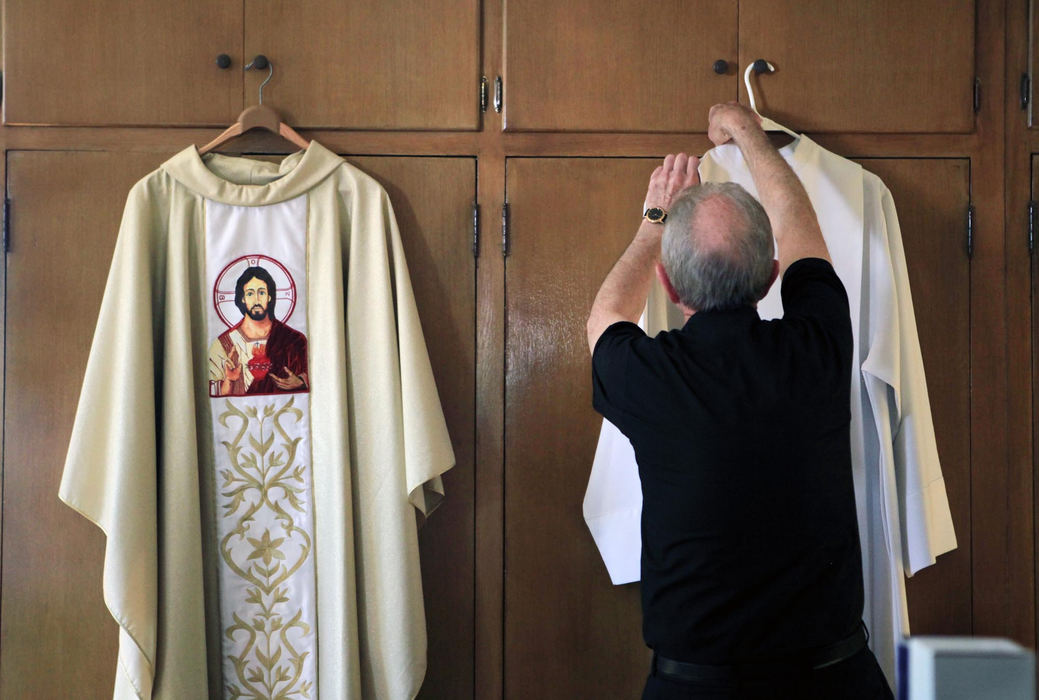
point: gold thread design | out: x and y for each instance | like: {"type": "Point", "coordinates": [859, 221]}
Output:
{"type": "Point", "coordinates": [265, 478]}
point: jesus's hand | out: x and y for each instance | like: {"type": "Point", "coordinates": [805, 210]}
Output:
{"type": "Point", "coordinates": [289, 382]}
{"type": "Point", "coordinates": [232, 367]}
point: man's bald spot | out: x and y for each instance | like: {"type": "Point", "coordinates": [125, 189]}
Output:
{"type": "Point", "coordinates": [718, 223]}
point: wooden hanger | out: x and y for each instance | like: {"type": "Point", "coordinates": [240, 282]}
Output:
{"type": "Point", "coordinates": [766, 123]}
{"type": "Point", "coordinates": [257, 117]}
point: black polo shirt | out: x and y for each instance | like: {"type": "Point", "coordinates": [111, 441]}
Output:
{"type": "Point", "coordinates": [750, 547]}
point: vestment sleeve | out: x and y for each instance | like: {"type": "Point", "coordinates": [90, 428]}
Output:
{"type": "Point", "coordinates": [427, 446]}
{"type": "Point", "coordinates": [110, 469]}
{"type": "Point", "coordinates": [896, 359]}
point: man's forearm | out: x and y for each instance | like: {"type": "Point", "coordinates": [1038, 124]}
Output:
{"type": "Point", "coordinates": [793, 219]}
{"type": "Point", "coordinates": [623, 293]}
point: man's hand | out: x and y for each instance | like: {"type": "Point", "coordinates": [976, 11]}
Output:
{"type": "Point", "coordinates": [794, 223]}
{"type": "Point", "coordinates": [730, 121]}
{"type": "Point", "coordinates": [623, 293]}
{"type": "Point", "coordinates": [674, 175]}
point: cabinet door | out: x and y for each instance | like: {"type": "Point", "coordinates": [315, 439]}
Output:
{"type": "Point", "coordinates": [65, 215]}
{"type": "Point", "coordinates": [121, 63]}
{"type": "Point", "coordinates": [1028, 85]}
{"type": "Point", "coordinates": [884, 66]}
{"type": "Point", "coordinates": [623, 65]}
{"type": "Point", "coordinates": [373, 64]}
{"type": "Point", "coordinates": [569, 633]}
{"type": "Point", "coordinates": [932, 197]}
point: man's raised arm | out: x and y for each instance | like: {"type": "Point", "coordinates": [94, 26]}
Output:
{"type": "Point", "coordinates": [793, 219]}
{"type": "Point", "coordinates": [623, 293]}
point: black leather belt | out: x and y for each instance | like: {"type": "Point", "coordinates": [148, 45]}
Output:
{"type": "Point", "coordinates": [811, 660]}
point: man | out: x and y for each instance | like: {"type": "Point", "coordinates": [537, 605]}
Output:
{"type": "Point", "coordinates": [751, 571]}
{"type": "Point", "coordinates": [244, 359]}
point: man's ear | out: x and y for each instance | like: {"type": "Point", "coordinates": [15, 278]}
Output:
{"type": "Point", "coordinates": [668, 287]}
{"type": "Point", "coordinates": [771, 280]}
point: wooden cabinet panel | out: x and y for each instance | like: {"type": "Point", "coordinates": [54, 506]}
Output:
{"type": "Point", "coordinates": [111, 62]}
{"type": "Point", "coordinates": [884, 66]}
{"type": "Point", "coordinates": [374, 64]}
{"type": "Point", "coordinates": [1034, 196]}
{"type": "Point", "coordinates": [65, 212]}
{"type": "Point", "coordinates": [617, 66]}
{"type": "Point", "coordinates": [931, 196]}
{"type": "Point", "coordinates": [1028, 89]}
{"type": "Point", "coordinates": [569, 633]}
{"type": "Point", "coordinates": [432, 198]}
{"type": "Point", "coordinates": [66, 209]}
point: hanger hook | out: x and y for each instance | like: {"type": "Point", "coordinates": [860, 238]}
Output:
{"type": "Point", "coordinates": [261, 62]}
{"type": "Point", "coordinates": [758, 66]}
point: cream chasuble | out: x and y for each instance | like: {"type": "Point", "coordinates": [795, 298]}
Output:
{"type": "Point", "coordinates": [257, 427]}
{"type": "Point", "coordinates": [903, 511]}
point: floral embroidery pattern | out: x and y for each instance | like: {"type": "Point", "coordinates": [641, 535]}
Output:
{"type": "Point", "coordinates": [265, 545]}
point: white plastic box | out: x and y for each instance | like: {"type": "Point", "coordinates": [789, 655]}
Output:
{"type": "Point", "coordinates": [965, 668]}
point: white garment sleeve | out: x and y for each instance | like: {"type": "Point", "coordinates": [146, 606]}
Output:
{"type": "Point", "coordinates": [895, 359]}
{"type": "Point", "coordinates": [927, 528]}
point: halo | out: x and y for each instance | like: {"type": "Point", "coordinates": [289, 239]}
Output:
{"type": "Point", "coordinates": [224, 287]}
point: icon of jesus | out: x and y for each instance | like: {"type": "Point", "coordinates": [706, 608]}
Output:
{"type": "Point", "coordinates": [260, 355]}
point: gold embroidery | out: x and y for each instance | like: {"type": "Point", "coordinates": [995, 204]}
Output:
{"type": "Point", "coordinates": [265, 478]}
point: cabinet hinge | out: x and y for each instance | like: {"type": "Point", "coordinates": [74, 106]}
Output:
{"type": "Point", "coordinates": [476, 229]}
{"type": "Point", "coordinates": [7, 225]}
{"type": "Point", "coordinates": [498, 96]}
{"type": "Point", "coordinates": [1031, 226]}
{"type": "Point", "coordinates": [483, 93]}
{"type": "Point", "coordinates": [977, 95]}
{"type": "Point", "coordinates": [505, 229]}
{"type": "Point", "coordinates": [1026, 90]}
{"type": "Point", "coordinates": [970, 231]}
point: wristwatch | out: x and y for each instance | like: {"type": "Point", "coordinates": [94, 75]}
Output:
{"type": "Point", "coordinates": [655, 215]}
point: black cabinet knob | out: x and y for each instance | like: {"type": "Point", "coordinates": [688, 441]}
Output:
{"type": "Point", "coordinates": [721, 66]}
{"type": "Point", "coordinates": [260, 62]}
{"type": "Point", "coordinates": [223, 60]}
{"type": "Point", "coordinates": [761, 66]}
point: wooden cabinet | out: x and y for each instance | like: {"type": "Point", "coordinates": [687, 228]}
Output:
{"type": "Point", "coordinates": [579, 66]}
{"type": "Point", "coordinates": [569, 633]}
{"type": "Point", "coordinates": [1026, 89]}
{"type": "Point", "coordinates": [371, 65]}
{"type": "Point", "coordinates": [518, 602]}
{"type": "Point", "coordinates": [617, 66]}
{"type": "Point", "coordinates": [375, 65]}
{"type": "Point", "coordinates": [121, 63]}
{"type": "Point", "coordinates": [69, 207]}
{"type": "Point", "coordinates": [66, 209]}
{"type": "Point", "coordinates": [878, 67]}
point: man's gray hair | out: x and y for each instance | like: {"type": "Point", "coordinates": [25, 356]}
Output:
{"type": "Point", "coordinates": [718, 276]}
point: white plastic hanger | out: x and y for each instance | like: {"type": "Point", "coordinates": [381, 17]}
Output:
{"type": "Point", "coordinates": [766, 123]}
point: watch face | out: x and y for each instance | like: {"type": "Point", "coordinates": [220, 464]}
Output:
{"type": "Point", "coordinates": [655, 214]}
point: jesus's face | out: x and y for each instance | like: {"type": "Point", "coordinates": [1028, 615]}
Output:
{"type": "Point", "coordinates": [255, 298]}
